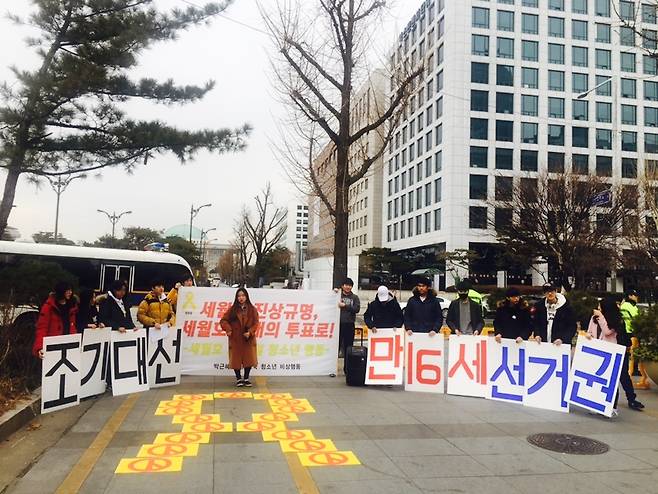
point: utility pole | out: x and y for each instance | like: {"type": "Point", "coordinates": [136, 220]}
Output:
{"type": "Point", "coordinates": [114, 219]}
{"type": "Point", "coordinates": [59, 185]}
{"type": "Point", "coordinates": [193, 212]}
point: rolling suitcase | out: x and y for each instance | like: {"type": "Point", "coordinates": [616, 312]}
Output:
{"type": "Point", "coordinates": [356, 359]}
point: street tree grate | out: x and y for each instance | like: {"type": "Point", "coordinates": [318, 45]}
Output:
{"type": "Point", "coordinates": [569, 444]}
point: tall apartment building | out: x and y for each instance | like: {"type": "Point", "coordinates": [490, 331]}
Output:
{"type": "Point", "coordinates": [513, 88]}
{"type": "Point", "coordinates": [365, 196]}
{"type": "Point", "coordinates": [296, 236]}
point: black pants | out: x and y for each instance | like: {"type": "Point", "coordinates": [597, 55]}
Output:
{"type": "Point", "coordinates": [626, 382]}
{"type": "Point", "coordinates": [345, 336]}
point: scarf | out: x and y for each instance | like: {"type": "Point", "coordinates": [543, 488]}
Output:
{"type": "Point", "coordinates": [119, 303]}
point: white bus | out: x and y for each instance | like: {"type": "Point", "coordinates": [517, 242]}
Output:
{"type": "Point", "coordinates": [96, 268]}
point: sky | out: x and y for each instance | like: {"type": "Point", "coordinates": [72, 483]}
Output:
{"type": "Point", "coordinates": [234, 52]}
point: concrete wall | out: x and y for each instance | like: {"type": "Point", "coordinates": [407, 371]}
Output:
{"type": "Point", "coordinates": [320, 272]}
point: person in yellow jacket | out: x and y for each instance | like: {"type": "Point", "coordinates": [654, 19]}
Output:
{"type": "Point", "coordinates": [629, 310]}
{"type": "Point", "coordinates": [173, 294]}
{"type": "Point", "coordinates": [156, 309]}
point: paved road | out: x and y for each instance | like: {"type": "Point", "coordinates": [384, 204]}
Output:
{"type": "Point", "coordinates": [405, 442]}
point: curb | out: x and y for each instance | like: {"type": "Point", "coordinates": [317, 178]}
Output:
{"type": "Point", "coordinates": [22, 414]}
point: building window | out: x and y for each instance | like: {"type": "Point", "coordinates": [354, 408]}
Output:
{"type": "Point", "coordinates": [603, 112]}
{"type": "Point", "coordinates": [437, 219]}
{"type": "Point", "coordinates": [530, 78]}
{"type": "Point", "coordinates": [579, 6]}
{"type": "Point", "coordinates": [502, 218]}
{"type": "Point", "coordinates": [479, 128]}
{"type": "Point", "coordinates": [628, 88]}
{"type": "Point", "coordinates": [437, 190]}
{"type": "Point", "coordinates": [580, 164]}
{"type": "Point", "coordinates": [651, 143]}
{"type": "Point", "coordinates": [649, 39]}
{"type": "Point", "coordinates": [428, 194]}
{"type": "Point", "coordinates": [603, 139]}
{"type": "Point", "coordinates": [556, 5]}
{"type": "Point", "coordinates": [628, 114]}
{"type": "Point", "coordinates": [479, 100]}
{"type": "Point", "coordinates": [555, 53]}
{"type": "Point", "coordinates": [556, 80]}
{"type": "Point", "coordinates": [626, 36]}
{"type": "Point", "coordinates": [556, 27]}
{"type": "Point", "coordinates": [505, 48]}
{"type": "Point", "coordinates": [530, 23]}
{"type": "Point", "coordinates": [505, 75]}
{"type": "Point", "coordinates": [649, 13]}
{"type": "Point", "coordinates": [602, 8]}
{"type": "Point", "coordinates": [603, 88]}
{"type": "Point", "coordinates": [419, 225]}
{"type": "Point", "coordinates": [530, 3]}
{"type": "Point", "coordinates": [556, 135]}
{"type": "Point", "coordinates": [628, 62]}
{"type": "Point", "coordinates": [504, 158]}
{"type": "Point", "coordinates": [478, 187]}
{"type": "Point", "coordinates": [530, 50]}
{"type": "Point", "coordinates": [603, 166]}
{"type": "Point", "coordinates": [529, 160]}
{"type": "Point", "coordinates": [602, 33]}
{"type": "Point", "coordinates": [503, 188]}
{"type": "Point", "coordinates": [650, 117]}
{"type": "Point", "coordinates": [480, 45]}
{"type": "Point", "coordinates": [504, 103]}
{"type": "Point", "coordinates": [529, 133]}
{"type": "Point", "coordinates": [579, 83]}
{"type": "Point", "coordinates": [504, 130]}
{"type": "Point", "coordinates": [480, 73]}
{"type": "Point", "coordinates": [629, 141]}
{"type": "Point", "coordinates": [649, 64]}
{"type": "Point", "coordinates": [555, 162]}
{"type": "Point", "coordinates": [580, 109]}
{"type": "Point", "coordinates": [580, 137]}
{"type": "Point", "coordinates": [627, 11]}
{"type": "Point", "coordinates": [579, 29]}
{"type": "Point", "coordinates": [628, 168]}
{"type": "Point", "coordinates": [529, 105]}
{"type": "Point", "coordinates": [556, 107]}
{"type": "Point", "coordinates": [480, 17]}
{"type": "Point", "coordinates": [428, 222]}
{"type": "Point", "coordinates": [603, 59]}
{"type": "Point", "coordinates": [505, 20]}
{"type": "Point", "coordinates": [477, 217]}
{"type": "Point", "coordinates": [579, 56]}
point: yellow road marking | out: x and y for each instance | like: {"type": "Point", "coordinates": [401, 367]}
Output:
{"type": "Point", "coordinates": [76, 477]}
{"type": "Point", "coordinates": [300, 474]}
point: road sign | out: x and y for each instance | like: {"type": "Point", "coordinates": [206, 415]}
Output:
{"type": "Point", "coordinates": [287, 435]}
{"type": "Point", "coordinates": [168, 450]}
{"type": "Point", "coordinates": [209, 427]}
{"type": "Point", "coordinates": [150, 465]}
{"type": "Point", "coordinates": [260, 426]}
{"type": "Point", "coordinates": [328, 459]}
{"type": "Point", "coordinates": [275, 417]}
{"type": "Point", "coordinates": [196, 419]}
{"type": "Point", "coordinates": [182, 438]}
{"type": "Point", "coordinates": [303, 445]}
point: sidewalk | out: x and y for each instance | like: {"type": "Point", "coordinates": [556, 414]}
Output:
{"type": "Point", "coordinates": [405, 442]}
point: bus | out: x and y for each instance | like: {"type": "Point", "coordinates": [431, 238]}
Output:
{"type": "Point", "coordinates": [96, 268]}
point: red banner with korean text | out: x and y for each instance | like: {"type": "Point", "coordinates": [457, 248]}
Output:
{"type": "Point", "coordinates": [297, 334]}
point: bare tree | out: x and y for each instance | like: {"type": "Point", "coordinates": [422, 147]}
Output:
{"type": "Point", "coordinates": [573, 222]}
{"type": "Point", "coordinates": [323, 58]}
{"type": "Point", "coordinates": [266, 230]}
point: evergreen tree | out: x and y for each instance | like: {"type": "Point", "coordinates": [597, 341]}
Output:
{"type": "Point", "coordinates": [67, 116]}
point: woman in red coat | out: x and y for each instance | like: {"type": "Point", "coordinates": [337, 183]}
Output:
{"type": "Point", "coordinates": [57, 316]}
{"type": "Point", "coordinates": [240, 323]}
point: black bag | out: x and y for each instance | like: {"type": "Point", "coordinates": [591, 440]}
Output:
{"type": "Point", "coordinates": [356, 360]}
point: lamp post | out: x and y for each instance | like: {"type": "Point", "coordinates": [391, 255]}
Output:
{"type": "Point", "coordinates": [59, 185]}
{"type": "Point", "coordinates": [204, 234]}
{"type": "Point", "coordinates": [193, 212]}
{"type": "Point", "coordinates": [114, 219]}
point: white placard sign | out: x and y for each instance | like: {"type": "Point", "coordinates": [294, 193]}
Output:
{"type": "Point", "coordinates": [506, 370]}
{"type": "Point", "coordinates": [164, 360]}
{"type": "Point", "coordinates": [547, 376]}
{"type": "Point", "coordinates": [128, 357]}
{"type": "Point", "coordinates": [425, 362]}
{"type": "Point", "coordinates": [60, 372]}
{"type": "Point", "coordinates": [467, 365]}
{"type": "Point", "coordinates": [95, 361]}
{"type": "Point", "coordinates": [385, 357]}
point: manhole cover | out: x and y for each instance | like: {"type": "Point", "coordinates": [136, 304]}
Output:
{"type": "Point", "coordinates": [568, 443]}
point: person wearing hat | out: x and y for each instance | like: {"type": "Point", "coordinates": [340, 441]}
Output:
{"type": "Point", "coordinates": [423, 311]}
{"type": "Point", "coordinates": [554, 318]}
{"type": "Point", "coordinates": [384, 311]}
{"type": "Point", "coordinates": [464, 314]}
{"type": "Point", "coordinates": [629, 310]}
{"type": "Point", "coordinates": [349, 305]}
{"type": "Point", "coordinates": [512, 317]}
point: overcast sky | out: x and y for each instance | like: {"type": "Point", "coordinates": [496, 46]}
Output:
{"type": "Point", "coordinates": [160, 194]}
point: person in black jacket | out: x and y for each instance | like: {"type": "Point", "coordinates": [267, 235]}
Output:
{"type": "Point", "coordinates": [384, 311]}
{"type": "Point", "coordinates": [87, 312]}
{"type": "Point", "coordinates": [113, 312]}
{"type": "Point", "coordinates": [513, 318]}
{"type": "Point", "coordinates": [464, 314]}
{"type": "Point", "coordinates": [554, 318]}
{"type": "Point", "coordinates": [423, 311]}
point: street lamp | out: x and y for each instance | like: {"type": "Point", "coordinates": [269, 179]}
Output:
{"type": "Point", "coordinates": [204, 234]}
{"type": "Point", "coordinates": [59, 185]}
{"type": "Point", "coordinates": [114, 218]}
{"type": "Point", "coordinates": [586, 93]}
{"type": "Point", "coordinates": [193, 212]}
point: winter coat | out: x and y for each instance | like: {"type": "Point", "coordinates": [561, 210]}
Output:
{"type": "Point", "coordinates": [629, 311]}
{"type": "Point", "coordinates": [173, 298]}
{"type": "Point", "coordinates": [242, 352]}
{"type": "Point", "coordinates": [423, 316]}
{"type": "Point", "coordinates": [153, 310]}
{"type": "Point", "coordinates": [512, 321]}
{"type": "Point", "coordinates": [85, 317]}
{"type": "Point", "coordinates": [111, 315]}
{"type": "Point", "coordinates": [351, 309]}
{"type": "Point", "coordinates": [384, 314]}
{"type": "Point", "coordinates": [453, 318]}
{"type": "Point", "coordinates": [564, 322]}
{"type": "Point", "coordinates": [607, 333]}
{"type": "Point", "coordinates": [50, 322]}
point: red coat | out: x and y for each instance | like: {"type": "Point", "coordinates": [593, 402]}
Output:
{"type": "Point", "coordinates": [242, 352]}
{"type": "Point", "coordinates": [50, 322]}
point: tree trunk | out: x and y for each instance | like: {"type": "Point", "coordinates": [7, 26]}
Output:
{"type": "Point", "coordinates": [8, 197]}
{"type": "Point", "coordinates": [342, 217]}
